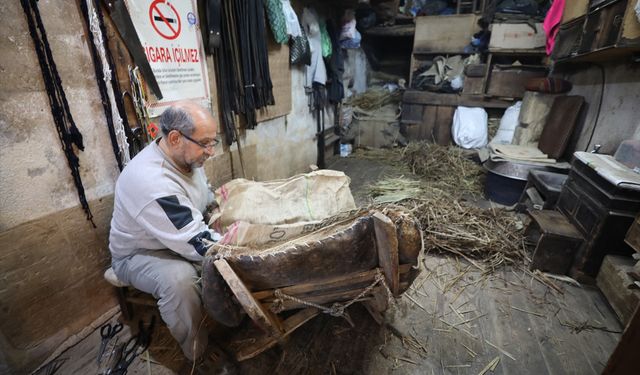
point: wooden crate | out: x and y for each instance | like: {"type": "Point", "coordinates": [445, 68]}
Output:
{"type": "Point", "coordinates": [614, 282]}
{"type": "Point", "coordinates": [509, 81]}
{"type": "Point", "coordinates": [633, 235]}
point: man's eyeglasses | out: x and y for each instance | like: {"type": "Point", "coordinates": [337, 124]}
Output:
{"type": "Point", "coordinates": [211, 144]}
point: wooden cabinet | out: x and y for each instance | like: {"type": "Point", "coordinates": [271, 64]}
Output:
{"type": "Point", "coordinates": [601, 211]}
{"type": "Point", "coordinates": [608, 30]}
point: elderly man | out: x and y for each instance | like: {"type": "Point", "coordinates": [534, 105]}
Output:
{"type": "Point", "coordinates": [157, 227]}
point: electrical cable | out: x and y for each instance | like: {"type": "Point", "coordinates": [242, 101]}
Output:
{"type": "Point", "coordinates": [595, 122]}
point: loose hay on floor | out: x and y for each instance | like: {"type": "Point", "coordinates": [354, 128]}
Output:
{"type": "Point", "coordinates": [444, 167]}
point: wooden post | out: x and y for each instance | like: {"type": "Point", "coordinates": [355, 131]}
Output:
{"type": "Point", "coordinates": [264, 318]}
{"type": "Point", "coordinates": [387, 244]}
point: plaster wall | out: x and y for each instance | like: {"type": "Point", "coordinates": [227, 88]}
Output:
{"type": "Point", "coordinates": [617, 86]}
{"type": "Point", "coordinates": [35, 180]}
{"type": "Point", "coordinates": [286, 145]}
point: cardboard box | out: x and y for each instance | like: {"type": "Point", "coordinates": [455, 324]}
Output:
{"type": "Point", "coordinates": [516, 36]}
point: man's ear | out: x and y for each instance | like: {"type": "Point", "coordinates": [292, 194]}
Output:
{"type": "Point", "coordinates": [173, 137]}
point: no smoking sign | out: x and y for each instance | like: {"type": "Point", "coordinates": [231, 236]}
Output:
{"type": "Point", "coordinates": [165, 19]}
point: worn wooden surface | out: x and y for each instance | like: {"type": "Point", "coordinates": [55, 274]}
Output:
{"type": "Point", "coordinates": [624, 359]}
{"type": "Point", "coordinates": [633, 235]}
{"type": "Point", "coordinates": [616, 284]}
{"type": "Point", "coordinates": [387, 246]}
{"type": "Point", "coordinates": [258, 313]}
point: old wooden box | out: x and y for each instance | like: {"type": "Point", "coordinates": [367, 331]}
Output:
{"type": "Point", "coordinates": [557, 241]}
{"type": "Point", "coordinates": [599, 208]}
{"type": "Point", "coordinates": [615, 283]}
{"type": "Point", "coordinates": [509, 80]}
{"type": "Point", "coordinates": [506, 36]}
{"type": "Point", "coordinates": [633, 235]}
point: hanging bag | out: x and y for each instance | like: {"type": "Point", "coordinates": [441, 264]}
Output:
{"type": "Point", "coordinates": [277, 21]}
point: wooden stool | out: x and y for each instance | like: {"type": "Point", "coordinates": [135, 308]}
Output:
{"type": "Point", "coordinates": [127, 296]}
{"type": "Point", "coordinates": [557, 241]}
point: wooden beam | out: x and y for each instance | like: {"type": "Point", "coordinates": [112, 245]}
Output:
{"type": "Point", "coordinates": [264, 318]}
{"type": "Point", "coordinates": [266, 342]}
{"type": "Point", "coordinates": [452, 100]}
{"type": "Point", "coordinates": [624, 359]}
{"type": "Point", "coordinates": [332, 284]}
{"type": "Point", "coordinates": [387, 244]}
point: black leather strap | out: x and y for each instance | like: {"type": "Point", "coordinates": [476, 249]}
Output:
{"type": "Point", "coordinates": [213, 11]}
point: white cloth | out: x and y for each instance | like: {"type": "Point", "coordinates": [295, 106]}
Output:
{"type": "Point", "coordinates": [292, 23]}
{"type": "Point", "coordinates": [317, 71]}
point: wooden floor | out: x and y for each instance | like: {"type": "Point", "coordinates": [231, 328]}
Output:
{"type": "Point", "coordinates": [453, 320]}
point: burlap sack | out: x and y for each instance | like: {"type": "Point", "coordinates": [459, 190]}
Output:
{"type": "Point", "coordinates": [254, 213]}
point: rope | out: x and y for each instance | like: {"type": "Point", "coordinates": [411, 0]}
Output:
{"type": "Point", "coordinates": [118, 124]}
{"type": "Point", "coordinates": [103, 67]}
{"type": "Point", "coordinates": [337, 309]}
{"type": "Point", "coordinates": [65, 125]}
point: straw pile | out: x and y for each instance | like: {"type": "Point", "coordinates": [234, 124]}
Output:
{"type": "Point", "coordinates": [487, 238]}
{"type": "Point", "coordinates": [494, 236]}
{"type": "Point", "coordinates": [373, 99]}
{"type": "Point", "coordinates": [444, 168]}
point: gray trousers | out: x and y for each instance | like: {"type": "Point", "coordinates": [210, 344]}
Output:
{"type": "Point", "coordinates": [172, 280]}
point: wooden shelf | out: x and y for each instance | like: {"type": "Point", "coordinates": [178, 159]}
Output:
{"type": "Point", "coordinates": [501, 51]}
{"type": "Point", "coordinates": [453, 100]}
{"type": "Point", "coordinates": [394, 31]}
{"type": "Point", "coordinates": [607, 32]}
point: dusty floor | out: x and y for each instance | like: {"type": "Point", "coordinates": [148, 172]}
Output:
{"type": "Point", "coordinates": [453, 320]}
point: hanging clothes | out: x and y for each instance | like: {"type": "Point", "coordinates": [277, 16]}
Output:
{"type": "Point", "coordinates": [293, 25]}
{"type": "Point", "coordinates": [316, 71]}
{"type": "Point", "coordinates": [551, 23]}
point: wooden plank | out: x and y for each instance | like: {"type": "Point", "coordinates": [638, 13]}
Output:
{"type": "Point", "coordinates": [442, 127]}
{"type": "Point", "coordinates": [395, 30]}
{"type": "Point", "coordinates": [387, 245]}
{"type": "Point", "coordinates": [614, 282]}
{"type": "Point", "coordinates": [261, 316]}
{"type": "Point", "coordinates": [633, 235]}
{"type": "Point", "coordinates": [411, 113]}
{"type": "Point", "coordinates": [331, 297]}
{"type": "Point", "coordinates": [630, 25]}
{"type": "Point", "coordinates": [453, 100]}
{"type": "Point", "coordinates": [266, 342]}
{"type": "Point", "coordinates": [473, 86]}
{"type": "Point", "coordinates": [624, 359]}
{"type": "Point", "coordinates": [332, 284]}
{"type": "Point", "coordinates": [280, 72]}
{"type": "Point", "coordinates": [574, 9]}
{"type": "Point", "coordinates": [444, 34]}
{"type": "Point", "coordinates": [511, 82]}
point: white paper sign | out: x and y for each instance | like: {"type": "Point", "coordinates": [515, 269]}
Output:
{"type": "Point", "coordinates": [170, 34]}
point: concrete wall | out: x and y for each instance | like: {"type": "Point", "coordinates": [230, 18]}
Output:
{"type": "Point", "coordinates": [51, 259]}
{"type": "Point", "coordinates": [619, 113]}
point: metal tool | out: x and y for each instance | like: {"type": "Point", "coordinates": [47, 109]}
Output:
{"type": "Point", "coordinates": [107, 331]}
{"type": "Point", "coordinates": [135, 346]}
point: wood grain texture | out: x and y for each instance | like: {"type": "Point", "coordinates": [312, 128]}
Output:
{"type": "Point", "coordinates": [258, 313]}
